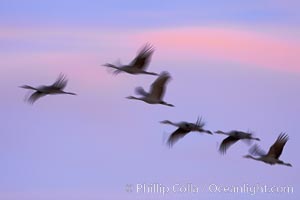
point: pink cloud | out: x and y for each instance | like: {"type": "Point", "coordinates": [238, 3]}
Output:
{"type": "Point", "coordinates": [274, 48]}
{"type": "Point", "coordinates": [227, 44]}
{"type": "Point", "coordinates": [82, 68]}
{"type": "Point", "coordinates": [77, 52]}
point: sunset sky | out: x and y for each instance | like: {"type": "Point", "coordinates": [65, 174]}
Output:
{"type": "Point", "coordinates": [235, 63]}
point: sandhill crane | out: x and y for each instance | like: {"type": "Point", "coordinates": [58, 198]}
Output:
{"type": "Point", "coordinates": [56, 88]}
{"type": "Point", "coordinates": [233, 137]}
{"type": "Point", "coordinates": [156, 93]}
{"type": "Point", "coordinates": [138, 65]}
{"type": "Point", "coordinates": [272, 157]}
{"type": "Point", "coordinates": [183, 129]}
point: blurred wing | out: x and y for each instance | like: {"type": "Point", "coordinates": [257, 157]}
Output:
{"type": "Point", "coordinates": [141, 91]}
{"type": "Point", "coordinates": [200, 123]}
{"type": "Point", "coordinates": [35, 96]}
{"type": "Point", "coordinates": [174, 137]}
{"type": "Point", "coordinates": [256, 151]}
{"type": "Point", "coordinates": [226, 143]}
{"type": "Point", "coordinates": [159, 85]}
{"type": "Point", "coordinates": [60, 83]}
{"type": "Point", "coordinates": [276, 149]}
{"type": "Point", "coordinates": [143, 58]}
{"type": "Point", "coordinates": [247, 141]}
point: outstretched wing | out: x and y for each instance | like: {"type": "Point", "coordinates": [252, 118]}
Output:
{"type": "Point", "coordinates": [256, 151]}
{"type": "Point", "coordinates": [175, 136]}
{"type": "Point", "coordinates": [143, 58]}
{"type": "Point", "coordinates": [141, 91]}
{"type": "Point", "coordinates": [226, 143]}
{"type": "Point", "coordinates": [35, 96]}
{"type": "Point", "coordinates": [158, 87]}
{"type": "Point", "coordinates": [200, 123]}
{"type": "Point", "coordinates": [60, 83]}
{"type": "Point", "coordinates": [276, 149]}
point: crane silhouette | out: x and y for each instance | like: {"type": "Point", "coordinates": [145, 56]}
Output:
{"type": "Point", "coordinates": [233, 137]}
{"type": "Point", "coordinates": [272, 157]}
{"type": "Point", "coordinates": [56, 88]}
{"type": "Point", "coordinates": [183, 129]}
{"type": "Point", "coordinates": [156, 93]}
{"type": "Point", "coordinates": [138, 65]}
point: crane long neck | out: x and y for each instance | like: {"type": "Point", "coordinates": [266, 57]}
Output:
{"type": "Point", "coordinates": [167, 104]}
{"type": "Point", "coordinates": [251, 157]}
{"type": "Point", "coordinates": [222, 132]}
{"type": "Point", "coordinates": [283, 163]}
{"type": "Point", "coordinates": [135, 98]}
{"type": "Point", "coordinates": [206, 131]}
{"type": "Point", "coordinates": [111, 65]}
{"type": "Point", "coordinates": [150, 73]}
{"type": "Point", "coordinates": [28, 87]}
{"type": "Point", "coordinates": [288, 164]}
{"type": "Point", "coordinates": [172, 123]}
